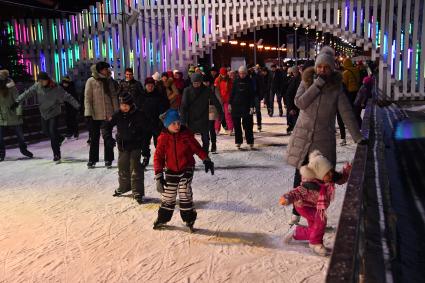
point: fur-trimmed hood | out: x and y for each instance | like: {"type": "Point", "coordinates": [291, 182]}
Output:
{"type": "Point", "coordinates": [95, 73]}
{"type": "Point", "coordinates": [335, 79]}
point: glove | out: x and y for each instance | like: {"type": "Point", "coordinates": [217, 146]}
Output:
{"type": "Point", "coordinates": [209, 166]}
{"type": "Point", "coordinates": [229, 108]}
{"type": "Point", "coordinates": [363, 142]}
{"type": "Point", "coordinates": [320, 81]}
{"type": "Point", "coordinates": [111, 142]}
{"type": "Point", "coordinates": [145, 162]}
{"type": "Point", "coordinates": [283, 201]}
{"type": "Point", "coordinates": [160, 182]}
{"type": "Point", "coordinates": [251, 111]}
{"type": "Point", "coordinates": [14, 106]}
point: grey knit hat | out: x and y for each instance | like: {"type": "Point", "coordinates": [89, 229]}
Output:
{"type": "Point", "coordinates": [326, 56]}
{"type": "Point", "coordinates": [196, 78]}
{"type": "Point", "coordinates": [243, 69]}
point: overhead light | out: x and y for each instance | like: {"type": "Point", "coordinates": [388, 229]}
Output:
{"type": "Point", "coordinates": [251, 45]}
{"type": "Point", "coordinates": [267, 48]}
{"type": "Point", "coordinates": [243, 44]}
{"type": "Point", "coordinates": [260, 46]}
{"type": "Point", "coordinates": [274, 48]}
{"type": "Point", "coordinates": [223, 40]}
{"type": "Point", "coordinates": [233, 42]}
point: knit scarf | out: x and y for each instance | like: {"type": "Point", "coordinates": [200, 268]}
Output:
{"type": "Point", "coordinates": [326, 195]}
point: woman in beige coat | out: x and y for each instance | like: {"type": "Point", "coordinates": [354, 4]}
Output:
{"type": "Point", "coordinates": [319, 97]}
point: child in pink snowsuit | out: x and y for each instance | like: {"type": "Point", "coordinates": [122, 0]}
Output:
{"type": "Point", "coordinates": [312, 198]}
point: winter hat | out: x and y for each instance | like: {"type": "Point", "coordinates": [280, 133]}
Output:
{"type": "Point", "coordinates": [126, 98]}
{"type": "Point", "coordinates": [196, 78]}
{"type": "Point", "coordinates": [307, 64]}
{"type": "Point", "coordinates": [223, 71]}
{"type": "Point", "coordinates": [102, 65]}
{"type": "Point", "coordinates": [317, 167]}
{"type": "Point", "coordinates": [4, 74]}
{"type": "Point", "coordinates": [156, 76]}
{"type": "Point", "coordinates": [172, 115]}
{"type": "Point", "coordinates": [175, 71]}
{"type": "Point", "coordinates": [149, 80]}
{"type": "Point", "coordinates": [326, 56]}
{"type": "Point", "coordinates": [243, 69]}
{"type": "Point", "coordinates": [43, 76]}
{"type": "Point", "coordinates": [164, 74]}
{"type": "Point", "coordinates": [170, 74]}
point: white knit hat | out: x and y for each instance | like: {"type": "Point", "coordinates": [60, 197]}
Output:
{"type": "Point", "coordinates": [326, 56]}
{"type": "Point", "coordinates": [318, 166]}
{"type": "Point", "coordinates": [243, 69]}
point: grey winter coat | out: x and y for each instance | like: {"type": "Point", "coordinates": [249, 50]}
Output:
{"type": "Point", "coordinates": [49, 99]}
{"type": "Point", "coordinates": [195, 108]}
{"type": "Point", "coordinates": [98, 104]}
{"type": "Point", "coordinates": [8, 96]}
{"type": "Point", "coordinates": [318, 102]}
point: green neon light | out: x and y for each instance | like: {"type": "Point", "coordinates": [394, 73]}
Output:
{"type": "Point", "coordinates": [77, 52]}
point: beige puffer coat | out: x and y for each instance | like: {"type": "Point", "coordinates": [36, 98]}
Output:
{"type": "Point", "coordinates": [99, 105]}
{"type": "Point", "coordinates": [315, 128]}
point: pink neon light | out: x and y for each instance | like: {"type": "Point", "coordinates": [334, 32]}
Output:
{"type": "Point", "coordinates": [17, 31]}
{"type": "Point", "coordinates": [183, 23]}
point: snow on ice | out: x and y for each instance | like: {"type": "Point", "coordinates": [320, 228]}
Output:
{"type": "Point", "coordinates": [60, 223]}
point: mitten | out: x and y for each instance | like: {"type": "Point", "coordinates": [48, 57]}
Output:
{"type": "Point", "coordinates": [160, 182]}
{"type": "Point", "coordinates": [209, 166]}
{"type": "Point", "coordinates": [283, 201]}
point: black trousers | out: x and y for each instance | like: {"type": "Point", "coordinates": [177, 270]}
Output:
{"type": "Point", "coordinates": [292, 120]}
{"type": "Point", "coordinates": [96, 127]}
{"type": "Point", "coordinates": [258, 111]}
{"type": "Point", "coordinates": [247, 122]}
{"type": "Point", "coordinates": [297, 182]}
{"type": "Point", "coordinates": [19, 135]}
{"type": "Point", "coordinates": [341, 125]}
{"type": "Point", "coordinates": [271, 102]}
{"type": "Point", "coordinates": [130, 172]}
{"type": "Point", "coordinates": [177, 183]}
{"type": "Point", "coordinates": [50, 129]}
{"type": "Point", "coordinates": [209, 136]}
{"type": "Point", "coordinates": [151, 135]}
{"type": "Point", "coordinates": [71, 119]}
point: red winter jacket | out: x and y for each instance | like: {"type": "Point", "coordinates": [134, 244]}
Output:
{"type": "Point", "coordinates": [224, 86]}
{"type": "Point", "coordinates": [175, 151]}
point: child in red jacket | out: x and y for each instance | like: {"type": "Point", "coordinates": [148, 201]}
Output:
{"type": "Point", "coordinates": [174, 153]}
{"type": "Point", "coordinates": [312, 198]}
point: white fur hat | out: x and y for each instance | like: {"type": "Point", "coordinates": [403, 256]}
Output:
{"type": "Point", "coordinates": [317, 167]}
{"type": "Point", "coordinates": [243, 69]}
{"type": "Point", "coordinates": [326, 56]}
{"type": "Point", "coordinates": [156, 76]}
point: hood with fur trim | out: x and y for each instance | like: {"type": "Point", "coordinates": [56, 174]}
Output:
{"type": "Point", "coordinates": [95, 73]}
{"type": "Point", "coordinates": [335, 79]}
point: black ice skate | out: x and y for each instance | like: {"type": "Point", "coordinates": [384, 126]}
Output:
{"type": "Point", "coordinates": [91, 165]}
{"type": "Point", "coordinates": [158, 225]}
{"type": "Point", "coordinates": [26, 153]}
{"type": "Point", "coordinates": [190, 226]}
{"type": "Point", "coordinates": [57, 159]}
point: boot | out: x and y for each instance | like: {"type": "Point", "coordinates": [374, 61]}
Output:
{"type": "Point", "coordinates": [157, 225]}
{"type": "Point", "coordinates": [319, 249]}
{"type": "Point", "coordinates": [26, 152]}
{"type": "Point", "coordinates": [108, 164]}
{"type": "Point", "coordinates": [91, 165]}
{"type": "Point", "coordinates": [2, 155]}
{"type": "Point", "coordinates": [213, 147]}
{"type": "Point", "coordinates": [190, 226]}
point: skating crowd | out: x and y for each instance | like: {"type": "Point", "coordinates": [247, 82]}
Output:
{"type": "Point", "coordinates": [168, 110]}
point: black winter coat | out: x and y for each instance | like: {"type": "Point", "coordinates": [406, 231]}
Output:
{"type": "Point", "coordinates": [275, 81]}
{"type": "Point", "coordinates": [133, 129]}
{"type": "Point", "coordinates": [263, 86]}
{"type": "Point", "coordinates": [195, 108]}
{"type": "Point", "coordinates": [291, 91]}
{"type": "Point", "coordinates": [153, 105]}
{"type": "Point", "coordinates": [134, 88]}
{"type": "Point", "coordinates": [242, 97]}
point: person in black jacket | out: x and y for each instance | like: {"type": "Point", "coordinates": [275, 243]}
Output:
{"type": "Point", "coordinates": [241, 106]}
{"type": "Point", "coordinates": [291, 91]}
{"type": "Point", "coordinates": [132, 86]}
{"type": "Point", "coordinates": [153, 104]}
{"type": "Point", "coordinates": [196, 102]}
{"type": "Point", "coordinates": [275, 86]}
{"type": "Point", "coordinates": [132, 131]}
{"type": "Point", "coordinates": [71, 114]}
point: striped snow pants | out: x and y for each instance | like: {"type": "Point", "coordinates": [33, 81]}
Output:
{"type": "Point", "coordinates": [177, 182]}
